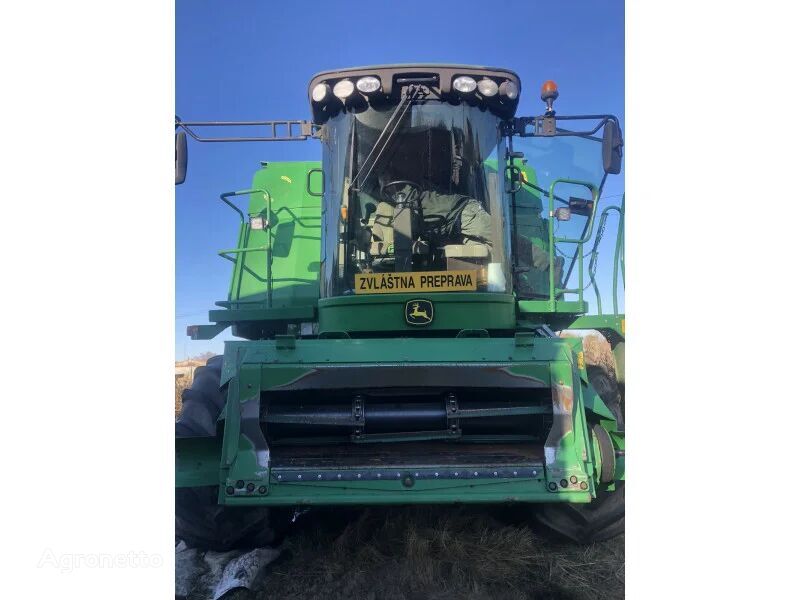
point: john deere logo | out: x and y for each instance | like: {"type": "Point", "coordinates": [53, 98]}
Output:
{"type": "Point", "coordinates": [419, 312]}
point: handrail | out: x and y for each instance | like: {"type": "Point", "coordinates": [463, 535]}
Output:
{"type": "Point", "coordinates": [619, 260]}
{"type": "Point", "coordinates": [241, 245]}
{"type": "Point", "coordinates": [601, 228]}
{"type": "Point", "coordinates": [619, 254]}
{"type": "Point", "coordinates": [587, 234]}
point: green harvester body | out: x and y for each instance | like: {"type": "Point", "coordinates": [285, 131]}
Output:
{"type": "Point", "coordinates": [342, 399]}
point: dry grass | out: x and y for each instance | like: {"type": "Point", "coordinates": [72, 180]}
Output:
{"type": "Point", "coordinates": [438, 552]}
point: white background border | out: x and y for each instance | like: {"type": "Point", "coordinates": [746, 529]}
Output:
{"type": "Point", "coordinates": [88, 302]}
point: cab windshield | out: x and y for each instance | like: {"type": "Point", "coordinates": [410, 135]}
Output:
{"type": "Point", "coordinates": [413, 204]}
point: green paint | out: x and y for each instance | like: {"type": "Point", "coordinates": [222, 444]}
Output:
{"type": "Point", "coordinates": [277, 268]}
{"type": "Point", "coordinates": [453, 311]}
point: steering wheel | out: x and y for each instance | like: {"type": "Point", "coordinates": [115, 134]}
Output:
{"type": "Point", "coordinates": [390, 197]}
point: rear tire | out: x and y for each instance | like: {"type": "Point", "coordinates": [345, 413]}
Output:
{"type": "Point", "coordinates": [199, 520]}
{"type": "Point", "coordinates": [604, 517]}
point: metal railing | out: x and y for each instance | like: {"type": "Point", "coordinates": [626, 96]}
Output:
{"type": "Point", "coordinates": [241, 245]}
{"type": "Point", "coordinates": [237, 255]}
{"type": "Point", "coordinates": [553, 240]}
{"type": "Point", "coordinates": [619, 256]}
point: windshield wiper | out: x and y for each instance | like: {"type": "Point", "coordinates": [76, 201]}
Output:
{"type": "Point", "coordinates": [410, 94]}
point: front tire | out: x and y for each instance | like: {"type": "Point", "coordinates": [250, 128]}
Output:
{"type": "Point", "coordinates": [204, 524]}
{"type": "Point", "coordinates": [604, 517]}
{"type": "Point", "coordinates": [199, 520]}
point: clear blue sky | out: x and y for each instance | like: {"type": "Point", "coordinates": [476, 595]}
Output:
{"type": "Point", "coordinates": [250, 60]}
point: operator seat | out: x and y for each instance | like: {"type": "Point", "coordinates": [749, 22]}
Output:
{"type": "Point", "coordinates": [382, 233]}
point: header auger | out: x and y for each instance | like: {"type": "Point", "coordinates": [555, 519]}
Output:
{"type": "Point", "coordinates": [397, 303]}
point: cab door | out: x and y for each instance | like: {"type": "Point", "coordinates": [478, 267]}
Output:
{"type": "Point", "coordinates": [558, 175]}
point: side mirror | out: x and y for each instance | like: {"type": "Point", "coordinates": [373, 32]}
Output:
{"type": "Point", "coordinates": [181, 157]}
{"type": "Point", "coordinates": [612, 148]}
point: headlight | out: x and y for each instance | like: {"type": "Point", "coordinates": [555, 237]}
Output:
{"type": "Point", "coordinates": [464, 84]}
{"type": "Point", "coordinates": [258, 222]}
{"type": "Point", "coordinates": [320, 92]}
{"type": "Point", "coordinates": [487, 88]}
{"type": "Point", "coordinates": [563, 213]}
{"type": "Point", "coordinates": [509, 89]}
{"type": "Point", "coordinates": [368, 85]}
{"type": "Point", "coordinates": [343, 89]}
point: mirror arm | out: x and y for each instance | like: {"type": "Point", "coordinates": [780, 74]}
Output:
{"type": "Point", "coordinates": [277, 131]}
{"type": "Point", "coordinates": [542, 125]}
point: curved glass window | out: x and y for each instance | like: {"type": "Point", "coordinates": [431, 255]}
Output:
{"type": "Point", "coordinates": [413, 201]}
{"type": "Point", "coordinates": [562, 165]}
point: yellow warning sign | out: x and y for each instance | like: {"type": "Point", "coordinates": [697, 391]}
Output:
{"type": "Point", "coordinates": [423, 281]}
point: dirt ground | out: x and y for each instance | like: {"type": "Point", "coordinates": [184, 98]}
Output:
{"type": "Point", "coordinates": [438, 552]}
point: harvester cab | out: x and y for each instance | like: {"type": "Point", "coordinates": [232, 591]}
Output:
{"type": "Point", "coordinates": [398, 302]}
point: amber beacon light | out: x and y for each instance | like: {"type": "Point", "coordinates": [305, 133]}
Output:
{"type": "Point", "coordinates": [549, 94]}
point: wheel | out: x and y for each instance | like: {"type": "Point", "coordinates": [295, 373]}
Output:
{"type": "Point", "coordinates": [604, 517]}
{"type": "Point", "coordinates": [202, 403]}
{"type": "Point", "coordinates": [199, 520]}
{"type": "Point", "coordinates": [204, 524]}
{"type": "Point", "coordinates": [606, 386]}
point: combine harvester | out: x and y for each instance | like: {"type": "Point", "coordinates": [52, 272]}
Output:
{"type": "Point", "coordinates": [398, 303]}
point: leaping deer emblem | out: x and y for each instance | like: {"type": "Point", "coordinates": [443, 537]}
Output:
{"type": "Point", "coordinates": [416, 312]}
